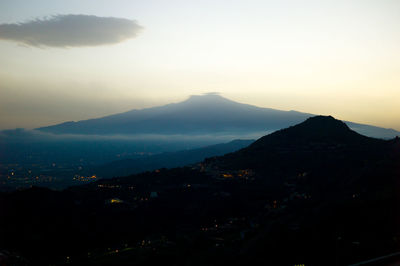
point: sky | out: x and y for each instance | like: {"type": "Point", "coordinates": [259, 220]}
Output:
{"type": "Point", "coordinates": [80, 59]}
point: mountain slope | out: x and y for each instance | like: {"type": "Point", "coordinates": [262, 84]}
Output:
{"type": "Point", "coordinates": [168, 160]}
{"type": "Point", "coordinates": [205, 114]}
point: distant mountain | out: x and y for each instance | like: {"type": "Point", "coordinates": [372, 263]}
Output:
{"type": "Point", "coordinates": [168, 159]}
{"type": "Point", "coordinates": [205, 114]}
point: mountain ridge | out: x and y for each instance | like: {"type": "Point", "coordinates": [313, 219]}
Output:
{"type": "Point", "coordinates": [199, 114]}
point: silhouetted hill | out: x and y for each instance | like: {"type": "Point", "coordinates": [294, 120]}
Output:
{"type": "Point", "coordinates": [319, 143]}
{"type": "Point", "coordinates": [205, 114]}
{"type": "Point", "coordinates": [315, 129]}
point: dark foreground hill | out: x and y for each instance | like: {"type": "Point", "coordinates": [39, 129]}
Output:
{"type": "Point", "coordinates": [198, 115]}
{"type": "Point", "coordinates": [315, 194]}
{"type": "Point", "coordinates": [319, 141]}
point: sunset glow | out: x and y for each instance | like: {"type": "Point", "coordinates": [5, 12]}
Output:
{"type": "Point", "coordinates": [322, 57]}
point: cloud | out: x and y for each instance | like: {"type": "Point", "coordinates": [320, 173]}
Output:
{"type": "Point", "coordinates": [71, 31]}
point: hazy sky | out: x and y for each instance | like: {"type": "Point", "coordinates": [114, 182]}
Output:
{"type": "Point", "coordinates": [77, 59]}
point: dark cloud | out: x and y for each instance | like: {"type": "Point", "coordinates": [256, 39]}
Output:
{"type": "Point", "coordinates": [71, 31]}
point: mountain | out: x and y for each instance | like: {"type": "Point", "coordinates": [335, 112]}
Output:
{"type": "Point", "coordinates": [168, 159]}
{"type": "Point", "coordinates": [205, 114]}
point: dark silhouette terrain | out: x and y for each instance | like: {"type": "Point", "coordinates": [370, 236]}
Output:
{"type": "Point", "coordinates": [316, 193]}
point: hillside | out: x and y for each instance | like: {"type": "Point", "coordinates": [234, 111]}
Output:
{"type": "Point", "coordinates": [316, 193]}
{"type": "Point", "coordinates": [167, 159]}
{"type": "Point", "coordinates": [318, 140]}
